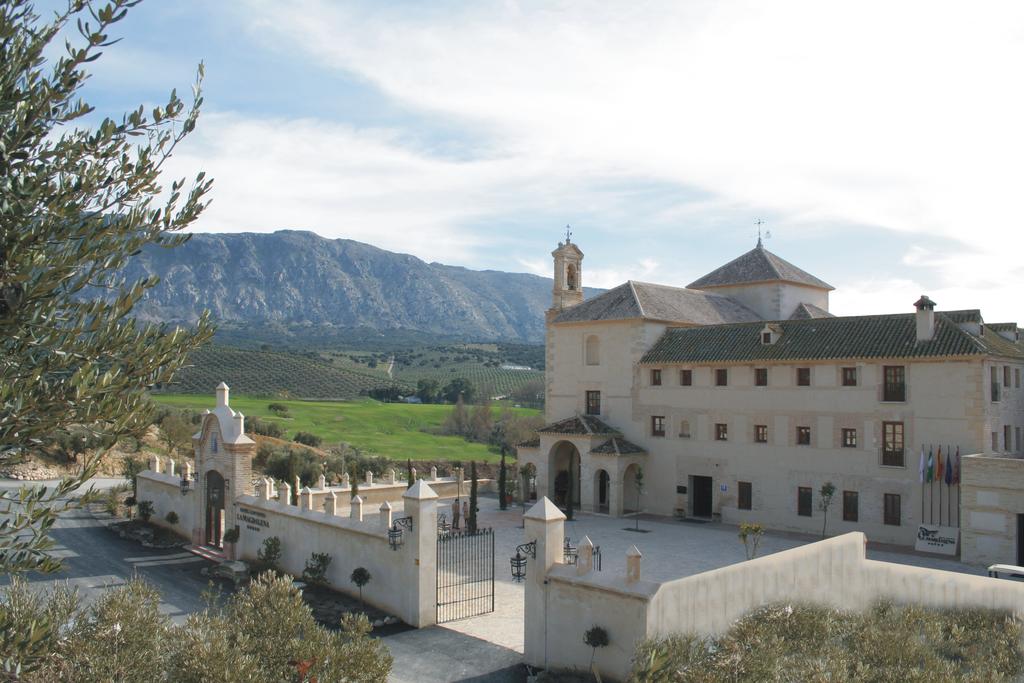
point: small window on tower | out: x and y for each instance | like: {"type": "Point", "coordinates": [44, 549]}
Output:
{"type": "Point", "coordinates": [213, 443]}
{"type": "Point", "coordinates": [570, 276]}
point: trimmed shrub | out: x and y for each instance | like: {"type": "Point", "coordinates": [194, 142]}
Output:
{"type": "Point", "coordinates": [316, 569]}
{"type": "Point", "coordinates": [145, 510]}
{"type": "Point", "coordinates": [172, 517]}
{"type": "Point", "coordinates": [308, 439]}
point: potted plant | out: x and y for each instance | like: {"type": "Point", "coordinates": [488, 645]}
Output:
{"type": "Point", "coordinates": [230, 539]}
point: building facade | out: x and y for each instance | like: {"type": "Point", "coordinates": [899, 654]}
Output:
{"type": "Point", "coordinates": [741, 395]}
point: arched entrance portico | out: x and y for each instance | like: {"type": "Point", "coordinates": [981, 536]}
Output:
{"type": "Point", "coordinates": [214, 509]}
{"type": "Point", "coordinates": [632, 500]}
{"type": "Point", "coordinates": [564, 474]}
{"type": "Point", "coordinates": [601, 491]}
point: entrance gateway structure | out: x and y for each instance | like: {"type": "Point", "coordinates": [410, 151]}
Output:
{"type": "Point", "coordinates": [422, 572]}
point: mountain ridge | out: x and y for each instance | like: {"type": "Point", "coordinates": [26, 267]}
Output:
{"type": "Point", "coordinates": [299, 277]}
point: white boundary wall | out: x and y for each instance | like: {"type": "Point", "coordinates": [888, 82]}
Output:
{"type": "Point", "coordinates": [164, 491]}
{"type": "Point", "coordinates": [833, 572]}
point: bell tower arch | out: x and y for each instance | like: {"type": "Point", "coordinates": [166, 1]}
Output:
{"type": "Point", "coordinates": [568, 286]}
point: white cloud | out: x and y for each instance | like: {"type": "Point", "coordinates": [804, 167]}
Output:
{"type": "Point", "coordinates": [903, 116]}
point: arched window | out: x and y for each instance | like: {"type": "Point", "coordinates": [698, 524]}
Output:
{"type": "Point", "coordinates": [570, 276]}
{"type": "Point", "coordinates": [684, 429]}
{"type": "Point", "coordinates": [593, 350]}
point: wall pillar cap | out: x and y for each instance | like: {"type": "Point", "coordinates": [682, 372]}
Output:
{"type": "Point", "coordinates": [586, 542]}
{"type": "Point", "coordinates": [385, 506]}
{"type": "Point", "coordinates": [419, 491]}
{"type": "Point", "coordinates": [357, 500]}
{"type": "Point", "coordinates": [633, 552]}
{"type": "Point", "coordinates": [545, 511]}
{"type": "Point", "coordinates": [331, 495]}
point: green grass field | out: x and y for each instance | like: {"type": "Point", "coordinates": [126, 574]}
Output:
{"type": "Point", "coordinates": [393, 430]}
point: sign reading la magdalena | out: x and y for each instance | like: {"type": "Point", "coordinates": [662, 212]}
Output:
{"type": "Point", "coordinates": [937, 539]}
{"type": "Point", "coordinates": [254, 519]}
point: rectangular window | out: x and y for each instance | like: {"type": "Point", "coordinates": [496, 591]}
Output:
{"type": "Point", "coordinates": [761, 433]}
{"type": "Point", "coordinates": [1006, 376]}
{"type": "Point", "coordinates": [655, 378]}
{"type": "Point", "coordinates": [1007, 438]}
{"type": "Point", "coordinates": [849, 438]}
{"type": "Point", "coordinates": [849, 377]}
{"type": "Point", "coordinates": [1018, 437]}
{"type": "Point", "coordinates": [892, 444]}
{"type": "Point", "coordinates": [721, 431]}
{"type": "Point", "coordinates": [593, 403]}
{"type": "Point", "coordinates": [761, 377]}
{"type": "Point", "coordinates": [892, 509]}
{"type": "Point", "coordinates": [684, 429]}
{"type": "Point", "coordinates": [849, 506]}
{"type": "Point", "coordinates": [745, 497]}
{"type": "Point", "coordinates": [685, 378]}
{"type": "Point", "coordinates": [994, 381]}
{"type": "Point", "coordinates": [657, 425]}
{"type": "Point", "coordinates": [803, 436]}
{"type": "Point", "coordinates": [995, 441]}
{"type": "Point", "coordinates": [803, 501]}
{"type": "Point", "coordinates": [721, 377]}
{"type": "Point", "coordinates": [766, 337]}
{"type": "Point", "coordinates": [803, 377]}
{"type": "Point", "coordinates": [895, 386]}
{"type": "Point", "coordinates": [1016, 378]}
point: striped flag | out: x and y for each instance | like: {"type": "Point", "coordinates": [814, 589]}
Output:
{"type": "Point", "coordinates": [949, 468]}
{"type": "Point", "coordinates": [930, 474]}
{"type": "Point", "coordinates": [920, 467]}
{"type": "Point", "coordinates": [938, 465]}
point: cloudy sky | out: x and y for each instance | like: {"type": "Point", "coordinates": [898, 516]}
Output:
{"type": "Point", "coordinates": [882, 143]}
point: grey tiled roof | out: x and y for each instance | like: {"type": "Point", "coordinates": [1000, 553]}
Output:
{"type": "Point", "coordinates": [581, 424]}
{"type": "Point", "coordinates": [969, 315]}
{"type": "Point", "coordinates": [617, 446]}
{"type": "Point", "coordinates": [806, 311]}
{"type": "Point", "coordinates": [659, 302]}
{"type": "Point", "coordinates": [757, 265]}
{"type": "Point", "coordinates": [871, 336]}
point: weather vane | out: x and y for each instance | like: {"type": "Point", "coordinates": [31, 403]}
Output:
{"type": "Point", "coordinates": [568, 234]}
{"type": "Point", "coordinates": [767, 233]}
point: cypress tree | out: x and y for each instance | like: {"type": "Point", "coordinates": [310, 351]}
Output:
{"type": "Point", "coordinates": [502, 481]}
{"type": "Point", "coordinates": [408, 472]}
{"type": "Point", "coordinates": [471, 522]}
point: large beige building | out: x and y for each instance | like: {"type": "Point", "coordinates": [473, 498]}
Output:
{"type": "Point", "coordinates": [739, 396]}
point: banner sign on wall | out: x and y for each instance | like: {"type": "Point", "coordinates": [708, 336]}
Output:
{"type": "Point", "coordinates": [937, 539]}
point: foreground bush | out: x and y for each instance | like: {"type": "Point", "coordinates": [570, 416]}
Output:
{"type": "Point", "coordinates": [265, 634]}
{"type": "Point", "coordinates": [811, 643]}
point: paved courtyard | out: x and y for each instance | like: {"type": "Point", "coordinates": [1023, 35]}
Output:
{"type": "Point", "coordinates": [671, 549]}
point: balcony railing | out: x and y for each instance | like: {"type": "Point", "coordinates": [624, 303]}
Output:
{"type": "Point", "coordinates": [894, 391]}
{"type": "Point", "coordinates": [892, 457]}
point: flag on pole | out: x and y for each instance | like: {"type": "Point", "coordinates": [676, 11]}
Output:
{"type": "Point", "coordinates": [949, 468]}
{"type": "Point", "coordinates": [930, 474]}
{"type": "Point", "coordinates": [938, 465]}
{"type": "Point", "coordinates": [920, 467]}
{"type": "Point", "coordinates": [956, 473]}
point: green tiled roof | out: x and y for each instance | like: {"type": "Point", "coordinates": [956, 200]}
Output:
{"type": "Point", "coordinates": [581, 424]}
{"type": "Point", "coordinates": [618, 446]}
{"type": "Point", "coordinates": [871, 336]}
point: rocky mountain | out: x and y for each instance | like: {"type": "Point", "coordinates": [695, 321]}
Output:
{"type": "Point", "coordinates": [296, 277]}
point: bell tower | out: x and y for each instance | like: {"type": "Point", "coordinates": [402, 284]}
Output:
{"type": "Point", "coordinates": [568, 287]}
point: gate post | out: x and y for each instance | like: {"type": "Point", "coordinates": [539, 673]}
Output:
{"type": "Point", "coordinates": [545, 524]}
{"type": "Point", "coordinates": [421, 555]}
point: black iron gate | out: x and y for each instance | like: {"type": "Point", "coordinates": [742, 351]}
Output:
{"type": "Point", "coordinates": [465, 574]}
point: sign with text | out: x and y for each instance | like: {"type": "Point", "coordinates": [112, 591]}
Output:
{"type": "Point", "coordinates": [937, 539]}
{"type": "Point", "coordinates": [254, 520]}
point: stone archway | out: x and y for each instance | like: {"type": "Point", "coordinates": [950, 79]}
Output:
{"type": "Point", "coordinates": [630, 501]}
{"type": "Point", "coordinates": [564, 462]}
{"type": "Point", "coordinates": [602, 491]}
{"type": "Point", "coordinates": [214, 509]}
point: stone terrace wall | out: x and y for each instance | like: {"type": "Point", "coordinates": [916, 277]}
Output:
{"type": "Point", "coordinates": [834, 572]}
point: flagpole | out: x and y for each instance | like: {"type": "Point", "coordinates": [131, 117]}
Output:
{"type": "Point", "coordinates": [949, 493]}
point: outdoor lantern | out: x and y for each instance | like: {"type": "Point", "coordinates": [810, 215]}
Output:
{"type": "Point", "coordinates": [186, 485]}
{"type": "Point", "coordinates": [518, 562]}
{"type": "Point", "coordinates": [395, 532]}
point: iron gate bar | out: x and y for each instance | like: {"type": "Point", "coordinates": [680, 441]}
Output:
{"type": "Point", "coordinates": [465, 574]}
